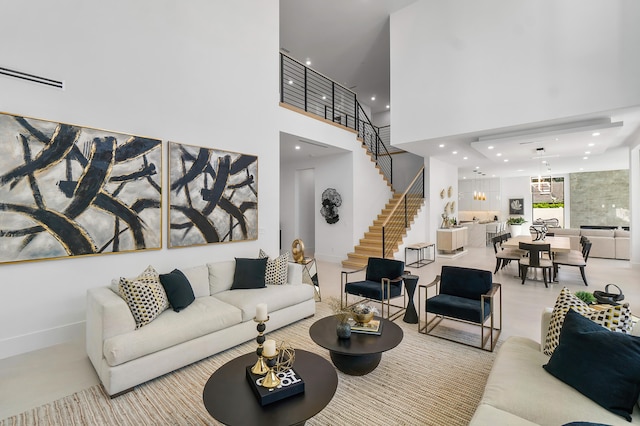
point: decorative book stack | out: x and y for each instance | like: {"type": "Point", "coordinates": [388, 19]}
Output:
{"type": "Point", "coordinates": [372, 327]}
{"type": "Point", "coordinates": [290, 384]}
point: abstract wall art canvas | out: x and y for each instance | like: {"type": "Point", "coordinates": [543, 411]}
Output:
{"type": "Point", "coordinates": [213, 196]}
{"type": "Point", "coordinates": [68, 191]}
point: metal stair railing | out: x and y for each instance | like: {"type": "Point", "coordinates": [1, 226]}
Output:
{"type": "Point", "coordinates": [397, 222]}
{"type": "Point", "coordinates": [313, 93]}
{"type": "Point", "coordinates": [378, 150]}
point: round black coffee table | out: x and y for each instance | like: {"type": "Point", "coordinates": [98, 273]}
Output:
{"type": "Point", "coordinates": [229, 399]}
{"type": "Point", "coordinates": [360, 354]}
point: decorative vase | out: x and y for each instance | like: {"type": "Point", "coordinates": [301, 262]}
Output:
{"type": "Point", "coordinates": [343, 329]}
{"type": "Point", "coordinates": [362, 318]}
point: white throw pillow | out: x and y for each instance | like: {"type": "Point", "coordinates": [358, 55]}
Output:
{"type": "Point", "coordinates": [221, 276]}
{"type": "Point", "coordinates": [198, 276]}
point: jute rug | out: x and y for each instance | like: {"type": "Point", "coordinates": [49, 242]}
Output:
{"type": "Point", "coordinates": [423, 381]}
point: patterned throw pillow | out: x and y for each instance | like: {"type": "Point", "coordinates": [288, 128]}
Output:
{"type": "Point", "coordinates": [277, 268]}
{"type": "Point", "coordinates": [615, 318]}
{"type": "Point", "coordinates": [144, 295]}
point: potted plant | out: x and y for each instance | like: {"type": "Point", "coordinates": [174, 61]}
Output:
{"type": "Point", "coordinates": [343, 328]}
{"type": "Point", "coordinates": [517, 225]}
{"type": "Point", "coordinates": [586, 297]}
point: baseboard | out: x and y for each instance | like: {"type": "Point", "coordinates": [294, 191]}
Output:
{"type": "Point", "coordinates": [41, 339]}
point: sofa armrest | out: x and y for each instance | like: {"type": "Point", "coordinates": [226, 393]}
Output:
{"type": "Point", "coordinates": [294, 273]}
{"type": "Point", "coordinates": [108, 315]}
{"type": "Point", "coordinates": [545, 319]}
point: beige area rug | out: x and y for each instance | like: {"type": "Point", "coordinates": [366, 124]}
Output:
{"type": "Point", "coordinates": [423, 381]}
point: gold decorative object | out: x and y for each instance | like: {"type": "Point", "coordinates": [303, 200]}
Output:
{"type": "Point", "coordinates": [260, 367]}
{"type": "Point", "coordinates": [442, 193]}
{"type": "Point", "coordinates": [297, 250]}
{"type": "Point", "coordinates": [450, 191]}
{"type": "Point", "coordinates": [271, 379]}
{"type": "Point", "coordinates": [446, 207]}
{"type": "Point", "coordinates": [362, 318]}
{"type": "Point", "coordinates": [453, 206]}
{"type": "Point", "coordinates": [286, 357]}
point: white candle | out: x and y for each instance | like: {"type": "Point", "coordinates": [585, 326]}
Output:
{"type": "Point", "coordinates": [261, 311]}
{"type": "Point", "coordinates": [269, 348]}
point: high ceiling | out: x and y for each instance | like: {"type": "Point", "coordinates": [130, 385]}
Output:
{"type": "Point", "coordinates": [348, 41]}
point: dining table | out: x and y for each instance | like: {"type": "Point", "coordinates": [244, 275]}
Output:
{"type": "Point", "coordinates": [557, 244]}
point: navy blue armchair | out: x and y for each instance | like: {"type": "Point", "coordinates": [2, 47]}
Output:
{"type": "Point", "coordinates": [383, 282]}
{"type": "Point", "coordinates": [467, 295]}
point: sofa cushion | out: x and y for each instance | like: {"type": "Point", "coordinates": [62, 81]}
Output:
{"type": "Point", "coordinates": [204, 316]}
{"type": "Point", "coordinates": [178, 289]}
{"type": "Point", "coordinates": [518, 384]}
{"type": "Point", "coordinates": [144, 295]}
{"type": "Point", "coordinates": [608, 233]}
{"type": "Point", "coordinates": [198, 276]}
{"type": "Point", "coordinates": [615, 318]}
{"type": "Point", "coordinates": [275, 296]}
{"type": "Point", "coordinates": [276, 272]}
{"type": "Point", "coordinates": [221, 276]}
{"type": "Point", "coordinates": [621, 233]}
{"type": "Point", "coordinates": [599, 363]}
{"type": "Point", "coordinates": [249, 273]}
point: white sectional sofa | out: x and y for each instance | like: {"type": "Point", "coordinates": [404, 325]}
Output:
{"type": "Point", "coordinates": [219, 318]}
{"type": "Point", "coordinates": [606, 243]}
{"type": "Point", "coordinates": [520, 392]}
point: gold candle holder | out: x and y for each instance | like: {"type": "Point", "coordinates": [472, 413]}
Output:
{"type": "Point", "coordinates": [271, 379]}
{"type": "Point", "coordinates": [260, 367]}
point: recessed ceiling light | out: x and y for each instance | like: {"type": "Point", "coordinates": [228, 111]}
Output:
{"type": "Point", "coordinates": [454, 152]}
{"type": "Point", "coordinates": [441, 145]}
{"type": "Point", "coordinates": [595, 134]}
{"type": "Point", "coordinates": [544, 161]}
{"type": "Point", "coordinates": [520, 170]}
{"type": "Point", "coordinates": [587, 152]}
{"type": "Point", "coordinates": [464, 177]}
{"type": "Point", "coordinates": [490, 147]}
{"type": "Point", "coordinates": [585, 158]}
{"type": "Point", "coordinates": [387, 106]}
{"type": "Point", "coordinates": [373, 98]}
{"type": "Point", "coordinates": [477, 167]}
{"type": "Point", "coordinates": [465, 158]}
{"type": "Point", "coordinates": [324, 96]}
{"type": "Point", "coordinates": [581, 168]}
{"type": "Point", "coordinates": [297, 146]}
{"type": "Point", "coordinates": [506, 160]}
{"type": "Point", "coordinates": [308, 62]}
{"type": "Point", "coordinates": [290, 81]}
{"type": "Point", "coordinates": [557, 139]}
{"type": "Point", "coordinates": [592, 144]}
{"type": "Point", "coordinates": [499, 154]}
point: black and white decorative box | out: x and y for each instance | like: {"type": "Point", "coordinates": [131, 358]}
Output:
{"type": "Point", "coordinates": [290, 384]}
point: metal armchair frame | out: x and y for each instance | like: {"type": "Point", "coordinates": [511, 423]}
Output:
{"type": "Point", "coordinates": [386, 282]}
{"type": "Point", "coordinates": [429, 325]}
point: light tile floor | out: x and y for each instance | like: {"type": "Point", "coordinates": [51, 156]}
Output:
{"type": "Point", "coordinates": [33, 379]}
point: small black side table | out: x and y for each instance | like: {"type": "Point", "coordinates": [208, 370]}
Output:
{"type": "Point", "coordinates": [410, 284]}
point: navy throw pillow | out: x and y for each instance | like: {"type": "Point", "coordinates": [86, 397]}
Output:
{"type": "Point", "coordinates": [599, 363]}
{"type": "Point", "coordinates": [178, 289]}
{"type": "Point", "coordinates": [250, 273]}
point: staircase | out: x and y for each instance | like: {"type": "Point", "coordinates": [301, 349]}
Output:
{"type": "Point", "coordinates": [372, 243]}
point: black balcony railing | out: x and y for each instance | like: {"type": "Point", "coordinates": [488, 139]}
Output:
{"type": "Point", "coordinates": [310, 91]}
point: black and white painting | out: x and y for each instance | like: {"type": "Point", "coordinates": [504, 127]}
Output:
{"type": "Point", "coordinates": [516, 206]}
{"type": "Point", "coordinates": [213, 196]}
{"type": "Point", "coordinates": [67, 190]}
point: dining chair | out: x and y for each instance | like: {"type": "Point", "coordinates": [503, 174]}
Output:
{"type": "Point", "coordinates": [536, 259]}
{"type": "Point", "coordinates": [573, 259]}
{"type": "Point", "coordinates": [504, 256]}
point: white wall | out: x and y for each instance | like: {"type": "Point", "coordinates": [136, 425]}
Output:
{"type": "Point", "coordinates": [461, 66]}
{"type": "Point", "coordinates": [184, 71]}
{"type": "Point", "coordinates": [516, 187]}
{"type": "Point", "coordinates": [353, 174]}
{"type": "Point", "coordinates": [441, 176]}
{"type": "Point", "coordinates": [305, 223]}
{"type": "Point", "coordinates": [405, 167]}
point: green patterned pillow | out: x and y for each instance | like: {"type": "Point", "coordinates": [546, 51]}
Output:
{"type": "Point", "coordinates": [144, 295]}
{"type": "Point", "coordinates": [277, 269]}
{"type": "Point", "coordinates": [615, 318]}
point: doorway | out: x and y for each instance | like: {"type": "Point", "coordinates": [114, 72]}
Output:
{"type": "Point", "coordinates": [305, 209]}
